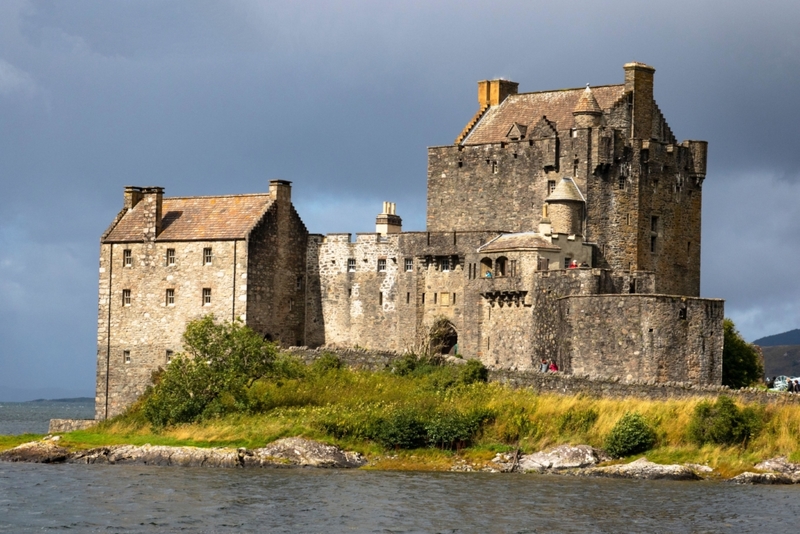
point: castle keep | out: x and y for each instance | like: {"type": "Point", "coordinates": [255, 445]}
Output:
{"type": "Point", "coordinates": [560, 224]}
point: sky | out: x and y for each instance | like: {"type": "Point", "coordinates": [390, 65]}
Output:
{"type": "Point", "coordinates": [342, 99]}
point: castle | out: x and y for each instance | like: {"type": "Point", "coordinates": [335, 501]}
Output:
{"type": "Point", "coordinates": [560, 224]}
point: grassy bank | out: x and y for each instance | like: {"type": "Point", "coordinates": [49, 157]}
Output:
{"type": "Point", "coordinates": [367, 411]}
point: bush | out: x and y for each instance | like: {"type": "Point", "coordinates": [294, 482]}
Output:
{"type": "Point", "coordinates": [631, 435]}
{"type": "Point", "coordinates": [449, 429]}
{"type": "Point", "coordinates": [412, 365]}
{"type": "Point", "coordinates": [741, 362]}
{"type": "Point", "coordinates": [402, 429]}
{"type": "Point", "coordinates": [221, 361]}
{"type": "Point", "coordinates": [723, 423]}
{"type": "Point", "coordinates": [473, 371]}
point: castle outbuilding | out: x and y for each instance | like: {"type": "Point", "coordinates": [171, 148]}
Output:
{"type": "Point", "coordinates": [561, 225]}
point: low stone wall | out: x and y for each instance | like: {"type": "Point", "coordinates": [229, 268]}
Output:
{"type": "Point", "coordinates": [566, 384]}
{"type": "Point", "coordinates": [68, 425]}
{"type": "Point", "coordinates": [368, 360]}
{"type": "Point", "coordinates": [561, 383]}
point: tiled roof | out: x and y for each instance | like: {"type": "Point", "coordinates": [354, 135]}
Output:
{"type": "Point", "coordinates": [524, 240]}
{"type": "Point", "coordinates": [566, 189]}
{"type": "Point", "coordinates": [528, 109]}
{"type": "Point", "coordinates": [196, 218]}
{"type": "Point", "coordinates": [587, 103]}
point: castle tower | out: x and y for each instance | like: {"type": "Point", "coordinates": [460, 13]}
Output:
{"type": "Point", "coordinates": [565, 207]}
{"type": "Point", "coordinates": [388, 222]}
{"type": "Point", "coordinates": [587, 112]}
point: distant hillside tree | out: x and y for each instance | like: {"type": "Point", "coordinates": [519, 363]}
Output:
{"type": "Point", "coordinates": [741, 364]}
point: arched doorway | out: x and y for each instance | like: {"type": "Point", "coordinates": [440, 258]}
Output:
{"type": "Point", "coordinates": [443, 337]}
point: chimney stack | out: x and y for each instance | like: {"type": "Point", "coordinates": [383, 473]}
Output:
{"type": "Point", "coordinates": [152, 200]}
{"type": "Point", "coordinates": [639, 81]}
{"type": "Point", "coordinates": [388, 222]}
{"type": "Point", "coordinates": [133, 195]}
{"type": "Point", "coordinates": [493, 92]}
{"type": "Point", "coordinates": [281, 190]}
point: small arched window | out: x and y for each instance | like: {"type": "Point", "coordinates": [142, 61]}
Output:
{"type": "Point", "coordinates": [486, 268]}
{"type": "Point", "coordinates": [500, 266]}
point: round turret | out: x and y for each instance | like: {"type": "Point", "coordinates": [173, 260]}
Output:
{"type": "Point", "coordinates": [565, 208]}
{"type": "Point", "coordinates": [587, 112]}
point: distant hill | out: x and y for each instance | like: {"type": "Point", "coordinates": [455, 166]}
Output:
{"type": "Point", "coordinates": [792, 337]}
{"type": "Point", "coordinates": [782, 360]}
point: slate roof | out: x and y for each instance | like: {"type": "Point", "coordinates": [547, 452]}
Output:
{"type": "Point", "coordinates": [196, 218]}
{"type": "Point", "coordinates": [587, 103]}
{"type": "Point", "coordinates": [518, 241]}
{"type": "Point", "coordinates": [528, 109]}
{"type": "Point", "coordinates": [566, 189]}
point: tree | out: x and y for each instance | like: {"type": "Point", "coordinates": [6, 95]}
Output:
{"type": "Point", "coordinates": [741, 364]}
{"type": "Point", "coordinates": [221, 360]}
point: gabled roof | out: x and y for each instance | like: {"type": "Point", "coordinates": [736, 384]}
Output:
{"type": "Point", "coordinates": [196, 218]}
{"type": "Point", "coordinates": [566, 189]}
{"type": "Point", "coordinates": [528, 109]}
{"type": "Point", "coordinates": [518, 241]}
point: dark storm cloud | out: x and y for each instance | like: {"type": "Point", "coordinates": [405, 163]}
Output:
{"type": "Point", "coordinates": [342, 99]}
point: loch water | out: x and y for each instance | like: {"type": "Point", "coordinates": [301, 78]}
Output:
{"type": "Point", "coordinates": [111, 498]}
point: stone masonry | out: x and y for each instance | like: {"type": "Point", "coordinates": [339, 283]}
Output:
{"type": "Point", "coordinates": [561, 225]}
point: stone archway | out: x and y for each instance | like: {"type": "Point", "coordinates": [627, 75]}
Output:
{"type": "Point", "coordinates": [443, 337]}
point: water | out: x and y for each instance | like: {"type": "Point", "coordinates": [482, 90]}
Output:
{"type": "Point", "coordinates": [95, 498]}
{"type": "Point", "coordinates": [164, 499]}
{"type": "Point", "coordinates": [34, 417]}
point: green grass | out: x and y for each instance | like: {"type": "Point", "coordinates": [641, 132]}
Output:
{"type": "Point", "coordinates": [521, 419]}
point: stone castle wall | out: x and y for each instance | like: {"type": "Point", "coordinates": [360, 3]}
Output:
{"type": "Point", "coordinates": [149, 327]}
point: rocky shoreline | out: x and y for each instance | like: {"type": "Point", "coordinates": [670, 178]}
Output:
{"type": "Point", "coordinates": [569, 460]}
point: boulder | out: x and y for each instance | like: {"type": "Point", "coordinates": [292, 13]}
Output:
{"type": "Point", "coordinates": [779, 465]}
{"type": "Point", "coordinates": [762, 478]}
{"type": "Point", "coordinates": [40, 452]}
{"type": "Point", "coordinates": [562, 457]}
{"type": "Point", "coordinates": [641, 469]}
{"type": "Point", "coordinates": [302, 452]}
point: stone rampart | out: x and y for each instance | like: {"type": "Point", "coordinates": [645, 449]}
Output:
{"type": "Point", "coordinates": [69, 425]}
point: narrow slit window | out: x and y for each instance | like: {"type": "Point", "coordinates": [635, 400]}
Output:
{"type": "Point", "coordinates": [453, 300]}
{"type": "Point", "coordinates": [380, 298]}
{"type": "Point", "coordinates": [170, 256]}
{"type": "Point", "coordinates": [126, 356]}
{"type": "Point", "coordinates": [169, 356]}
{"type": "Point", "coordinates": [435, 300]}
{"type": "Point", "coordinates": [298, 283]}
{"type": "Point", "coordinates": [551, 186]}
{"type": "Point", "coordinates": [206, 296]}
{"type": "Point", "coordinates": [408, 298]}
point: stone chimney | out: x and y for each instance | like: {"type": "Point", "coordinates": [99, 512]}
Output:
{"type": "Point", "coordinates": [388, 222]}
{"type": "Point", "coordinates": [133, 195]}
{"type": "Point", "coordinates": [639, 81]}
{"type": "Point", "coordinates": [281, 190]}
{"type": "Point", "coordinates": [493, 92]}
{"type": "Point", "coordinates": [151, 203]}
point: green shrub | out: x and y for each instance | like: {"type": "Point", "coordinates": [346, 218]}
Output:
{"type": "Point", "coordinates": [741, 362]}
{"type": "Point", "coordinates": [412, 365]}
{"type": "Point", "coordinates": [327, 362]}
{"type": "Point", "coordinates": [631, 435]}
{"type": "Point", "coordinates": [576, 421]}
{"type": "Point", "coordinates": [402, 428]}
{"type": "Point", "coordinates": [452, 428]}
{"type": "Point", "coordinates": [723, 423]}
{"type": "Point", "coordinates": [222, 360]}
{"type": "Point", "coordinates": [473, 371]}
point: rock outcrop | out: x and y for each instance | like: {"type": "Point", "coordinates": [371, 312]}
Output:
{"type": "Point", "coordinates": [642, 469]}
{"type": "Point", "coordinates": [557, 458]}
{"type": "Point", "coordinates": [762, 478]}
{"type": "Point", "coordinates": [287, 452]}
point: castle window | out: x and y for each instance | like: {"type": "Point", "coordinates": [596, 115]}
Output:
{"type": "Point", "coordinates": [380, 298]}
{"type": "Point", "coordinates": [206, 296]}
{"type": "Point", "coordinates": [126, 356]}
{"type": "Point", "coordinates": [408, 298]}
{"type": "Point", "coordinates": [435, 299]}
{"type": "Point", "coordinates": [494, 167]}
{"type": "Point", "coordinates": [513, 268]}
{"type": "Point", "coordinates": [460, 164]}
{"type": "Point", "coordinates": [551, 186]}
{"type": "Point", "coordinates": [382, 265]}
{"type": "Point", "coordinates": [169, 356]}
{"type": "Point", "coordinates": [170, 256]}
{"type": "Point", "coordinates": [622, 182]}
{"type": "Point", "coordinates": [453, 300]}
{"type": "Point", "coordinates": [127, 258]}
{"type": "Point", "coordinates": [170, 300]}
{"type": "Point", "coordinates": [351, 265]}
{"type": "Point", "coordinates": [423, 298]}
{"type": "Point", "coordinates": [500, 266]}
{"type": "Point", "coordinates": [653, 233]}
{"type": "Point", "coordinates": [682, 314]}
{"type": "Point", "coordinates": [126, 297]}
{"type": "Point", "coordinates": [409, 264]}
{"type": "Point", "coordinates": [350, 292]}
{"type": "Point", "coordinates": [543, 264]}
{"type": "Point", "coordinates": [444, 262]}
{"type": "Point", "coordinates": [567, 261]}
{"type": "Point", "coordinates": [207, 256]}
{"type": "Point", "coordinates": [298, 283]}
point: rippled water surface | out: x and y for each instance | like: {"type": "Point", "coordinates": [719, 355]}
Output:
{"type": "Point", "coordinates": [85, 498]}
{"type": "Point", "coordinates": [34, 417]}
